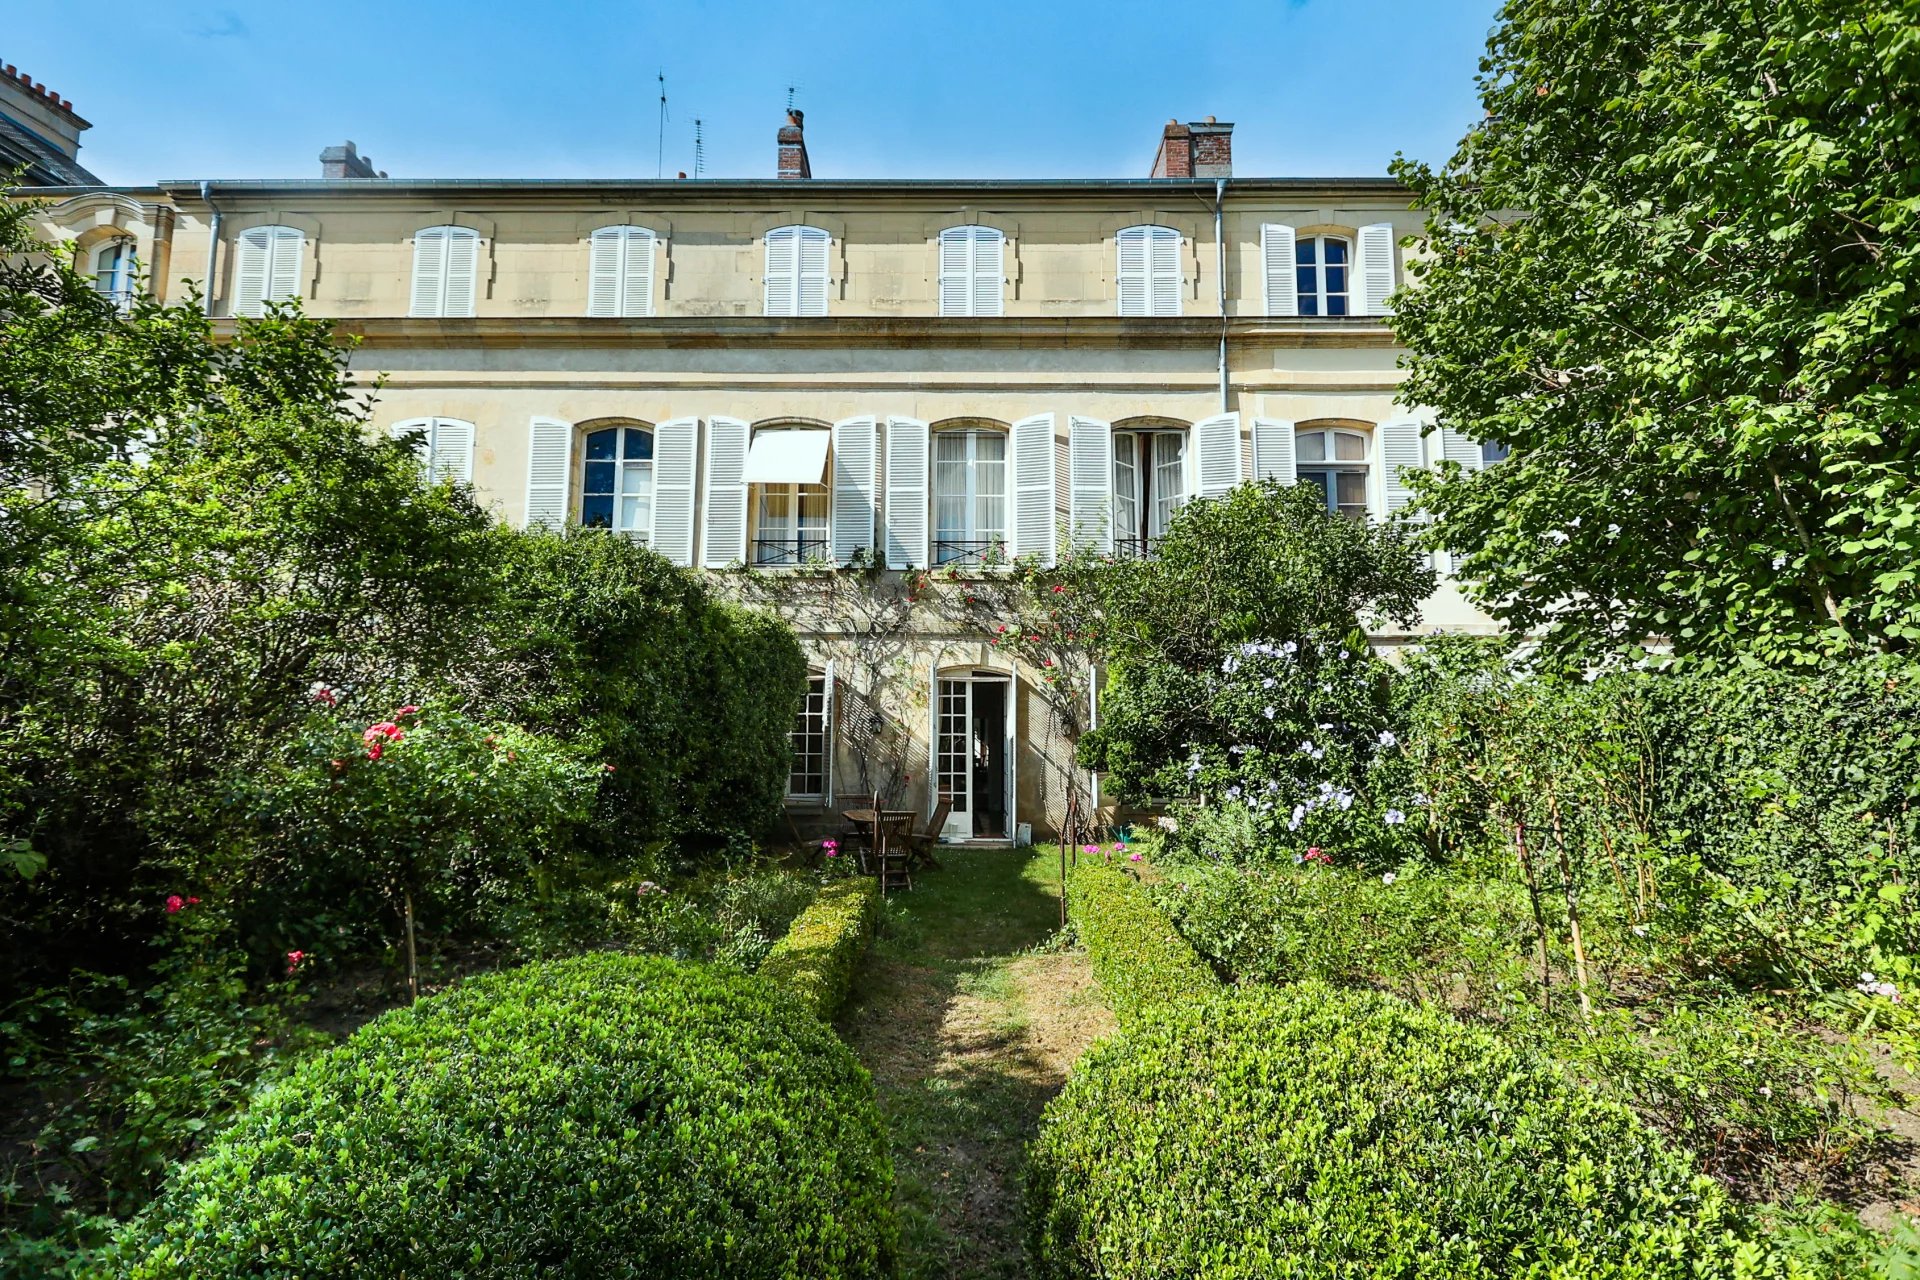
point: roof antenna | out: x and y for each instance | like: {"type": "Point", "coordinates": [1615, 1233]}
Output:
{"type": "Point", "coordinates": [699, 151]}
{"type": "Point", "coordinates": [660, 150]}
{"type": "Point", "coordinates": [791, 90]}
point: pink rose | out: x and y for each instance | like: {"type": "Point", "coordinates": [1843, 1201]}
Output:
{"type": "Point", "coordinates": [174, 903]}
{"type": "Point", "coordinates": [293, 960]}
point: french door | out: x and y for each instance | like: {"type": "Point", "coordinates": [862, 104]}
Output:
{"type": "Point", "coordinates": [973, 756]}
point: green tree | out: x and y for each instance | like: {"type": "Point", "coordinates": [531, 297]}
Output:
{"type": "Point", "coordinates": [1674, 270]}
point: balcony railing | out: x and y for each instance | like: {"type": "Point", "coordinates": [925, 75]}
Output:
{"type": "Point", "coordinates": [1134, 548]}
{"type": "Point", "coordinates": [969, 551]}
{"type": "Point", "coordinates": [789, 552]}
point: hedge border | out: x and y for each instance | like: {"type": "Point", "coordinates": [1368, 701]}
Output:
{"type": "Point", "coordinates": [1138, 957]}
{"type": "Point", "coordinates": [814, 962]}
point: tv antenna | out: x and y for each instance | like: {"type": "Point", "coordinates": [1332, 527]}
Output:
{"type": "Point", "coordinates": [699, 150]}
{"type": "Point", "coordinates": [791, 90]}
{"type": "Point", "coordinates": [660, 146]}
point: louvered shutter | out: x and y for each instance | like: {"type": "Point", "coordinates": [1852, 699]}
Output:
{"type": "Point", "coordinates": [1033, 484]}
{"type": "Point", "coordinates": [1400, 450]}
{"type": "Point", "coordinates": [1276, 256]}
{"type": "Point", "coordinates": [1090, 484]}
{"type": "Point", "coordinates": [1273, 450]}
{"type": "Point", "coordinates": [1131, 274]}
{"type": "Point", "coordinates": [421, 443]}
{"type": "Point", "coordinates": [723, 536]}
{"type": "Point", "coordinates": [1164, 261]}
{"type": "Point", "coordinates": [250, 268]}
{"type": "Point", "coordinates": [907, 472]}
{"type": "Point", "coordinates": [604, 271]}
{"type": "Point", "coordinates": [989, 272]}
{"type": "Point", "coordinates": [451, 454]}
{"type": "Point", "coordinates": [283, 258]}
{"type": "Point", "coordinates": [811, 291]}
{"type": "Point", "coordinates": [463, 272]}
{"type": "Point", "coordinates": [1216, 451]}
{"type": "Point", "coordinates": [636, 285]}
{"type": "Point", "coordinates": [956, 271]}
{"type": "Point", "coordinates": [429, 271]}
{"type": "Point", "coordinates": [675, 444]}
{"type": "Point", "coordinates": [854, 480]}
{"type": "Point", "coordinates": [549, 462]}
{"type": "Point", "coordinates": [783, 244]}
{"type": "Point", "coordinates": [1376, 268]}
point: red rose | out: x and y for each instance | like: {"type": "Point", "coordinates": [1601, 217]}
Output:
{"type": "Point", "coordinates": [374, 751]}
{"type": "Point", "coordinates": [174, 903]}
{"type": "Point", "coordinates": [293, 960]}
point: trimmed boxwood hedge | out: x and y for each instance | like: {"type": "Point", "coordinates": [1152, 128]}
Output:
{"type": "Point", "coordinates": [607, 1116]}
{"type": "Point", "coordinates": [1139, 958]}
{"type": "Point", "coordinates": [1312, 1131]}
{"type": "Point", "coordinates": [814, 962]}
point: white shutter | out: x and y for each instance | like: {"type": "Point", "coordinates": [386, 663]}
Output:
{"type": "Point", "coordinates": [1164, 243]}
{"type": "Point", "coordinates": [1273, 450]}
{"type": "Point", "coordinates": [549, 463]}
{"type": "Point", "coordinates": [429, 271]}
{"type": "Point", "coordinates": [283, 270]}
{"type": "Point", "coordinates": [675, 444]}
{"type": "Point", "coordinates": [723, 537]}
{"type": "Point", "coordinates": [1276, 255]}
{"type": "Point", "coordinates": [604, 271]}
{"type": "Point", "coordinates": [250, 267]}
{"type": "Point", "coordinates": [1216, 450]}
{"type": "Point", "coordinates": [1400, 450]}
{"type": "Point", "coordinates": [463, 271]}
{"type": "Point", "coordinates": [956, 271]}
{"type": "Point", "coordinates": [907, 471]}
{"type": "Point", "coordinates": [1131, 274]}
{"type": "Point", "coordinates": [1376, 269]}
{"type": "Point", "coordinates": [1090, 484]}
{"type": "Point", "coordinates": [854, 476]}
{"type": "Point", "coordinates": [1033, 483]}
{"type": "Point", "coordinates": [421, 446]}
{"type": "Point", "coordinates": [783, 259]}
{"type": "Point", "coordinates": [636, 282]}
{"type": "Point", "coordinates": [451, 455]}
{"type": "Point", "coordinates": [989, 272]}
{"type": "Point", "coordinates": [811, 287]}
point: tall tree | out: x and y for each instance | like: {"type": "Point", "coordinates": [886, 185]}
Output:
{"type": "Point", "coordinates": [1675, 270]}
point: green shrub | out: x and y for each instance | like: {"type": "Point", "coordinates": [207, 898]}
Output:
{"type": "Point", "coordinates": [815, 961]}
{"type": "Point", "coordinates": [1139, 958]}
{"type": "Point", "coordinates": [1320, 1132]}
{"type": "Point", "coordinates": [730, 918]}
{"type": "Point", "coordinates": [609, 1116]}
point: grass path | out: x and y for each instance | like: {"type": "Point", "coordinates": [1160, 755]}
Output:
{"type": "Point", "coordinates": [968, 1021]}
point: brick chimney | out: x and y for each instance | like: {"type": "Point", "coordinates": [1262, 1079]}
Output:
{"type": "Point", "coordinates": [1199, 149]}
{"type": "Point", "coordinates": [346, 162]}
{"type": "Point", "coordinates": [793, 147]}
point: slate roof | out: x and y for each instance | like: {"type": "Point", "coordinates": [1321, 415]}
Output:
{"type": "Point", "coordinates": [45, 164]}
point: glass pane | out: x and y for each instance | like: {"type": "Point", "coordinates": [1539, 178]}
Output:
{"type": "Point", "coordinates": [989, 446]}
{"type": "Point", "coordinates": [1307, 283]}
{"type": "Point", "coordinates": [1337, 304]}
{"type": "Point", "coordinates": [601, 444]}
{"type": "Point", "coordinates": [599, 477]}
{"type": "Point", "coordinates": [596, 511]}
{"type": "Point", "coordinates": [1348, 447]}
{"type": "Point", "coordinates": [1353, 488]}
{"type": "Point", "coordinates": [1492, 451]}
{"type": "Point", "coordinates": [1310, 446]}
{"type": "Point", "coordinates": [639, 445]}
{"type": "Point", "coordinates": [1318, 479]}
{"type": "Point", "coordinates": [637, 478]}
{"type": "Point", "coordinates": [1335, 250]}
{"type": "Point", "coordinates": [1336, 279]}
{"type": "Point", "coordinates": [949, 445]}
{"type": "Point", "coordinates": [636, 514]}
{"type": "Point", "coordinates": [813, 510]}
{"type": "Point", "coordinates": [1303, 251]}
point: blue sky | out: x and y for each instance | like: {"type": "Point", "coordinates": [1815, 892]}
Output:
{"type": "Point", "coordinates": [891, 88]}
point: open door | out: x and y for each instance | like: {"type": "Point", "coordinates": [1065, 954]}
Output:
{"type": "Point", "coordinates": [973, 754]}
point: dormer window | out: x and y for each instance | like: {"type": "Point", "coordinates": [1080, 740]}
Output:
{"type": "Point", "coordinates": [446, 271]}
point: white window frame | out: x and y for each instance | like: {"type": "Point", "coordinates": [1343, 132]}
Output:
{"type": "Point", "coordinates": [644, 533]}
{"type": "Point", "coordinates": [813, 720]}
{"type": "Point", "coordinates": [1328, 470]}
{"type": "Point", "coordinates": [1314, 301]}
{"type": "Point", "coordinates": [1146, 474]}
{"type": "Point", "coordinates": [121, 270]}
{"type": "Point", "coordinates": [279, 278]}
{"type": "Point", "coordinates": [972, 496]}
{"type": "Point", "coordinates": [806, 540]}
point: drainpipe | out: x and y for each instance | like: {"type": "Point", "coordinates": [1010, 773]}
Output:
{"type": "Point", "coordinates": [213, 244]}
{"type": "Point", "coordinates": [1220, 276]}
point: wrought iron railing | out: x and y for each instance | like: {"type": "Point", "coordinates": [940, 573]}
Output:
{"type": "Point", "coordinates": [969, 551]}
{"type": "Point", "coordinates": [1134, 548]}
{"type": "Point", "coordinates": [778, 552]}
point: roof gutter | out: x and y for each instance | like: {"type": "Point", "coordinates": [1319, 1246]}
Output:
{"type": "Point", "coordinates": [1220, 276]}
{"type": "Point", "coordinates": [213, 243]}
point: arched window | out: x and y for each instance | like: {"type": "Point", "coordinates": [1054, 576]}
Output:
{"type": "Point", "coordinates": [969, 496]}
{"type": "Point", "coordinates": [266, 268]}
{"type": "Point", "coordinates": [972, 271]}
{"type": "Point", "coordinates": [1334, 459]}
{"type": "Point", "coordinates": [1322, 274]}
{"type": "Point", "coordinates": [1149, 271]}
{"type": "Point", "coordinates": [796, 279]}
{"type": "Point", "coordinates": [616, 483]}
{"type": "Point", "coordinates": [446, 271]}
{"type": "Point", "coordinates": [620, 272]}
{"type": "Point", "coordinates": [786, 474]}
{"type": "Point", "coordinates": [1149, 485]}
{"type": "Point", "coordinates": [113, 272]}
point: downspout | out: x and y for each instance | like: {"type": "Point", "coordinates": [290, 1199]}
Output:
{"type": "Point", "coordinates": [1220, 276]}
{"type": "Point", "coordinates": [213, 243]}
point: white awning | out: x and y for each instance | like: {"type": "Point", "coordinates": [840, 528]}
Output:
{"type": "Point", "coordinates": [788, 457]}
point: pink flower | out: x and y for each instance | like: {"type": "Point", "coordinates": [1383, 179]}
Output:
{"type": "Point", "coordinates": [408, 710]}
{"type": "Point", "coordinates": [323, 695]}
{"type": "Point", "coordinates": [174, 903]}
{"type": "Point", "coordinates": [1089, 849]}
{"type": "Point", "coordinates": [1316, 854]}
{"type": "Point", "coordinates": [193, 902]}
{"type": "Point", "coordinates": [293, 960]}
{"type": "Point", "coordinates": [386, 729]}
{"type": "Point", "coordinates": [609, 768]}
{"type": "Point", "coordinates": [375, 751]}
{"type": "Point", "coordinates": [1132, 857]}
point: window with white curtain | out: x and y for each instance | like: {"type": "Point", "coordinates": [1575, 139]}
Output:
{"type": "Point", "coordinates": [114, 268]}
{"type": "Point", "coordinates": [1334, 461]}
{"type": "Point", "coordinates": [616, 483]}
{"type": "Point", "coordinates": [796, 278]}
{"type": "Point", "coordinates": [1149, 485]}
{"type": "Point", "coordinates": [972, 271]}
{"type": "Point", "coordinates": [790, 524]}
{"type": "Point", "coordinates": [969, 496]}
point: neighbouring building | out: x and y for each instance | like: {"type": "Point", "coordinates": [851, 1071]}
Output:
{"type": "Point", "coordinates": [816, 389]}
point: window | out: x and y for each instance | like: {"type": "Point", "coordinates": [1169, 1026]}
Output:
{"type": "Point", "coordinates": [808, 776]}
{"type": "Point", "coordinates": [1492, 451]}
{"type": "Point", "coordinates": [1322, 266]}
{"type": "Point", "coordinates": [1149, 485]}
{"type": "Point", "coordinates": [113, 271]}
{"type": "Point", "coordinates": [1335, 461]}
{"type": "Point", "coordinates": [791, 524]}
{"type": "Point", "coordinates": [616, 490]}
{"type": "Point", "coordinates": [266, 268]}
{"type": "Point", "coordinates": [1149, 271]}
{"type": "Point", "coordinates": [797, 271]}
{"type": "Point", "coordinates": [444, 447]}
{"type": "Point", "coordinates": [972, 272]}
{"type": "Point", "coordinates": [446, 267]}
{"type": "Point", "coordinates": [969, 497]}
{"type": "Point", "coordinates": [620, 272]}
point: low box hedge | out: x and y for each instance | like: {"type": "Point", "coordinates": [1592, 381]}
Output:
{"type": "Point", "coordinates": [814, 962]}
{"type": "Point", "coordinates": [610, 1116]}
{"type": "Point", "coordinates": [1312, 1131]}
{"type": "Point", "coordinates": [1139, 958]}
